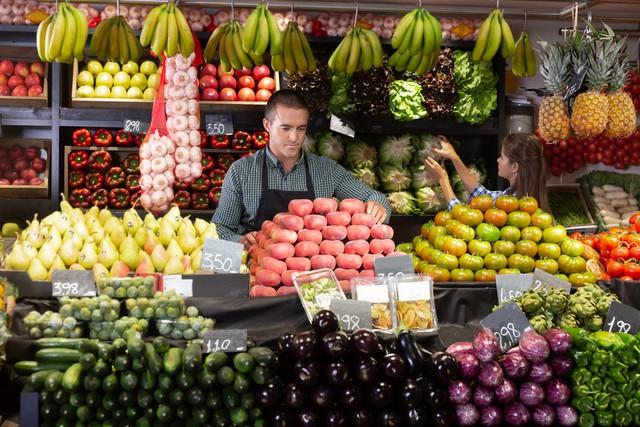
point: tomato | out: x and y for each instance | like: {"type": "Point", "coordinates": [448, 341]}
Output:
{"type": "Point", "coordinates": [636, 227]}
{"type": "Point", "coordinates": [531, 233]}
{"type": "Point", "coordinates": [455, 247]}
{"type": "Point", "coordinates": [549, 265]}
{"type": "Point", "coordinates": [527, 247]}
{"type": "Point", "coordinates": [509, 271]}
{"type": "Point", "coordinates": [423, 267]}
{"type": "Point", "coordinates": [485, 275]}
{"type": "Point", "coordinates": [464, 232]}
{"type": "Point", "coordinates": [511, 233]}
{"type": "Point", "coordinates": [452, 224]}
{"type": "Point", "coordinates": [634, 252]}
{"type": "Point", "coordinates": [471, 262]}
{"type": "Point", "coordinates": [436, 231]}
{"type": "Point", "coordinates": [421, 245]}
{"type": "Point", "coordinates": [447, 261]}
{"type": "Point", "coordinates": [482, 202]}
{"type": "Point", "coordinates": [439, 241]}
{"type": "Point", "coordinates": [487, 232]}
{"type": "Point", "coordinates": [590, 240]}
{"type": "Point", "coordinates": [581, 279]}
{"type": "Point", "coordinates": [504, 247]}
{"type": "Point", "coordinates": [246, 94]}
{"type": "Point", "coordinates": [632, 269]}
{"type": "Point", "coordinates": [442, 217]}
{"type": "Point", "coordinates": [461, 275]}
{"type": "Point", "coordinates": [440, 274]}
{"type": "Point", "coordinates": [433, 256]}
{"type": "Point", "coordinates": [228, 94]}
{"type": "Point", "coordinates": [424, 230]}
{"type": "Point", "coordinates": [549, 250]}
{"type": "Point", "coordinates": [507, 203]}
{"type": "Point", "coordinates": [609, 241]}
{"type": "Point", "coordinates": [472, 217]}
{"type": "Point", "coordinates": [604, 277]}
{"type": "Point", "coordinates": [572, 247]}
{"type": "Point", "coordinates": [522, 262]}
{"type": "Point", "coordinates": [458, 210]}
{"type": "Point", "coordinates": [495, 261]}
{"type": "Point", "coordinates": [479, 247]}
{"type": "Point", "coordinates": [554, 234]}
{"type": "Point", "coordinates": [620, 253]}
{"type": "Point", "coordinates": [496, 217]}
{"type": "Point", "coordinates": [528, 204]}
{"type": "Point", "coordinates": [626, 278]}
{"type": "Point", "coordinates": [519, 219]}
{"type": "Point", "coordinates": [572, 264]}
{"type": "Point", "coordinates": [541, 219]}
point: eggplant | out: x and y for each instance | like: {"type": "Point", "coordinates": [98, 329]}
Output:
{"type": "Point", "coordinates": [412, 394]}
{"type": "Point", "coordinates": [351, 397]}
{"type": "Point", "coordinates": [335, 345]}
{"type": "Point", "coordinates": [305, 345]}
{"type": "Point", "coordinates": [362, 418]}
{"type": "Point", "coordinates": [307, 418]}
{"type": "Point", "coordinates": [445, 367]}
{"type": "Point", "coordinates": [389, 419]}
{"type": "Point", "coordinates": [393, 367]}
{"type": "Point", "coordinates": [364, 341]}
{"type": "Point", "coordinates": [443, 417]}
{"type": "Point", "coordinates": [366, 369]}
{"type": "Point", "coordinates": [268, 395]}
{"type": "Point", "coordinates": [435, 395]}
{"type": "Point", "coordinates": [335, 418]}
{"type": "Point", "coordinates": [285, 343]}
{"type": "Point", "coordinates": [336, 373]}
{"type": "Point", "coordinates": [415, 417]}
{"type": "Point", "coordinates": [281, 418]}
{"type": "Point", "coordinates": [307, 373]}
{"type": "Point", "coordinates": [323, 397]}
{"type": "Point", "coordinates": [324, 322]}
{"type": "Point", "coordinates": [410, 352]}
{"type": "Point", "coordinates": [295, 396]}
{"type": "Point", "coordinates": [381, 394]}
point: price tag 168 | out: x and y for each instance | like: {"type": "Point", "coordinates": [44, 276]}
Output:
{"type": "Point", "coordinates": [219, 124]}
{"type": "Point", "coordinates": [75, 283]}
{"type": "Point", "coordinates": [221, 256]}
{"type": "Point", "coordinates": [508, 323]}
{"type": "Point", "coordinates": [225, 340]}
{"type": "Point", "coordinates": [622, 318]}
{"type": "Point", "coordinates": [352, 314]}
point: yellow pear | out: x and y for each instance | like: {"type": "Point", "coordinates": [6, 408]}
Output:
{"type": "Point", "coordinates": [145, 266]}
{"type": "Point", "coordinates": [19, 259]}
{"type": "Point", "coordinates": [166, 233]}
{"type": "Point", "coordinates": [210, 232]}
{"type": "Point", "coordinates": [88, 255]}
{"type": "Point", "coordinates": [36, 270]}
{"type": "Point", "coordinates": [187, 237]}
{"type": "Point", "coordinates": [174, 266]}
{"type": "Point", "coordinates": [91, 214]}
{"type": "Point", "coordinates": [97, 233]}
{"type": "Point", "coordinates": [129, 252]}
{"type": "Point", "coordinates": [103, 216]}
{"type": "Point", "coordinates": [34, 235]}
{"type": "Point", "coordinates": [111, 223]}
{"type": "Point", "coordinates": [196, 257]}
{"type": "Point", "coordinates": [151, 242]}
{"type": "Point", "coordinates": [150, 222]}
{"type": "Point", "coordinates": [173, 217]}
{"type": "Point", "coordinates": [62, 223]}
{"type": "Point", "coordinates": [76, 266]}
{"type": "Point", "coordinates": [107, 252]}
{"type": "Point", "coordinates": [29, 250]}
{"type": "Point", "coordinates": [174, 250]}
{"type": "Point", "coordinates": [186, 263]}
{"type": "Point", "coordinates": [159, 258]}
{"type": "Point", "coordinates": [46, 255]}
{"type": "Point", "coordinates": [76, 216]}
{"type": "Point", "coordinates": [54, 238]}
{"type": "Point", "coordinates": [132, 221]}
{"type": "Point", "coordinates": [118, 235]}
{"type": "Point", "coordinates": [119, 269]}
{"type": "Point", "coordinates": [52, 218]}
{"type": "Point", "coordinates": [73, 237]}
{"type": "Point", "coordinates": [68, 252]}
{"type": "Point", "coordinates": [141, 236]}
{"type": "Point", "coordinates": [200, 225]}
{"type": "Point", "coordinates": [58, 264]}
{"type": "Point", "coordinates": [81, 229]}
{"type": "Point", "coordinates": [100, 272]}
{"type": "Point", "coordinates": [65, 206]}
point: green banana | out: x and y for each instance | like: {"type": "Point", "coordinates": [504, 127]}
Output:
{"type": "Point", "coordinates": [422, 66]}
{"type": "Point", "coordinates": [403, 60]}
{"type": "Point", "coordinates": [402, 28]}
{"type": "Point", "coordinates": [224, 61]}
{"type": "Point", "coordinates": [245, 59]}
{"type": "Point", "coordinates": [54, 43]}
{"type": "Point", "coordinates": [213, 43]}
{"type": "Point", "coordinates": [150, 23]}
{"type": "Point", "coordinates": [251, 29]}
{"type": "Point", "coordinates": [135, 50]}
{"type": "Point", "coordinates": [376, 47]}
{"type": "Point", "coordinates": [417, 38]}
{"type": "Point", "coordinates": [308, 53]}
{"type": "Point", "coordinates": [187, 45]}
{"type": "Point", "coordinates": [229, 48]}
{"type": "Point", "coordinates": [530, 55]}
{"type": "Point", "coordinates": [437, 32]}
{"type": "Point", "coordinates": [69, 39]}
{"type": "Point", "coordinates": [257, 59]}
{"type": "Point", "coordinates": [495, 37]}
{"type": "Point", "coordinates": [288, 54]}
{"type": "Point", "coordinates": [366, 51]}
{"type": "Point", "coordinates": [414, 62]}
{"type": "Point", "coordinates": [262, 37]}
{"type": "Point", "coordinates": [114, 50]}
{"type": "Point", "coordinates": [159, 42]}
{"type": "Point", "coordinates": [483, 38]}
{"type": "Point", "coordinates": [122, 43]}
{"type": "Point", "coordinates": [428, 38]}
{"type": "Point", "coordinates": [406, 41]}
{"type": "Point", "coordinates": [275, 36]}
{"type": "Point", "coordinates": [277, 63]}
{"type": "Point", "coordinates": [508, 46]}
{"type": "Point", "coordinates": [342, 53]}
{"type": "Point", "coordinates": [298, 52]}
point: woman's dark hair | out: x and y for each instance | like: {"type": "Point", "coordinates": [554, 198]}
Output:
{"type": "Point", "coordinates": [526, 150]}
{"type": "Point", "coordinates": [287, 98]}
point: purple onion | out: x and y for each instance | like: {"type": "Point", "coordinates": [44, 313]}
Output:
{"type": "Point", "coordinates": [543, 415]}
{"type": "Point", "coordinates": [566, 416]}
{"type": "Point", "coordinates": [485, 345]}
{"type": "Point", "coordinates": [460, 348]}
{"type": "Point", "coordinates": [490, 416]}
{"type": "Point", "coordinates": [459, 392]}
{"type": "Point", "coordinates": [540, 373]}
{"type": "Point", "coordinates": [561, 365]}
{"type": "Point", "coordinates": [531, 394]}
{"type": "Point", "coordinates": [559, 340]}
{"type": "Point", "coordinates": [468, 366]}
{"type": "Point", "coordinates": [467, 415]}
{"type": "Point", "coordinates": [491, 375]}
{"type": "Point", "coordinates": [506, 392]}
{"type": "Point", "coordinates": [534, 347]}
{"type": "Point", "coordinates": [516, 414]}
{"type": "Point", "coordinates": [483, 396]}
{"type": "Point", "coordinates": [558, 392]}
{"type": "Point", "coordinates": [515, 365]}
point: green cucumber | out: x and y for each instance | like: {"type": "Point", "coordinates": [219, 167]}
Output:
{"type": "Point", "coordinates": [172, 359]}
{"type": "Point", "coordinates": [65, 355]}
{"type": "Point", "coordinates": [72, 343]}
{"type": "Point", "coordinates": [177, 397]}
{"type": "Point", "coordinates": [215, 361]}
{"type": "Point", "coordinates": [135, 346]}
{"type": "Point", "coordinates": [154, 362]}
{"type": "Point", "coordinates": [128, 380]}
{"type": "Point", "coordinates": [138, 364]}
{"type": "Point", "coordinates": [161, 345]}
{"type": "Point", "coordinates": [26, 367]}
{"type": "Point", "coordinates": [71, 377]}
{"type": "Point", "coordinates": [145, 399]}
{"type": "Point", "coordinates": [53, 381]}
{"type": "Point", "coordinates": [192, 357]}
{"type": "Point", "coordinates": [147, 380]}
{"type": "Point", "coordinates": [122, 362]}
{"type": "Point", "coordinates": [87, 361]}
{"type": "Point", "coordinates": [101, 368]}
{"type": "Point", "coordinates": [36, 380]}
{"type": "Point", "coordinates": [91, 382]}
{"type": "Point", "coordinates": [119, 346]}
{"type": "Point", "coordinates": [110, 383]}
{"type": "Point", "coordinates": [77, 399]}
{"type": "Point", "coordinates": [105, 351]}
{"type": "Point", "coordinates": [185, 380]}
{"type": "Point", "coordinates": [262, 355]}
{"type": "Point", "coordinates": [243, 362]}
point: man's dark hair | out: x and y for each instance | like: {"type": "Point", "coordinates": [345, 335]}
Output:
{"type": "Point", "coordinates": [286, 98]}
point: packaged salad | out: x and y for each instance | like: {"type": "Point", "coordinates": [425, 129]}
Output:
{"type": "Point", "coordinates": [316, 289]}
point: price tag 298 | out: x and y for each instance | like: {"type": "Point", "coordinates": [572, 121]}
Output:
{"type": "Point", "coordinates": [136, 126]}
{"type": "Point", "coordinates": [508, 323]}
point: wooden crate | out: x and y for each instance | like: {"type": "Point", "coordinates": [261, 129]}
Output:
{"type": "Point", "coordinates": [28, 191]}
{"type": "Point", "coordinates": [28, 55]}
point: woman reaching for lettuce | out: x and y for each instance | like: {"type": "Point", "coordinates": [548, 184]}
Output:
{"type": "Point", "coordinates": [520, 162]}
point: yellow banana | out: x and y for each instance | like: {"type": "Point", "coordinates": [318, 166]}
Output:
{"type": "Point", "coordinates": [229, 48]}
{"type": "Point", "coordinates": [354, 52]}
{"type": "Point", "coordinates": [186, 43]}
{"type": "Point", "coordinates": [150, 24]}
{"type": "Point", "coordinates": [82, 29]}
{"type": "Point", "coordinates": [298, 52]}
{"type": "Point", "coordinates": [530, 54]}
{"type": "Point", "coordinates": [483, 38]}
{"type": "Point", "coordinates": [105, 43]}
{"type": "Point", "coordinates": [159, 43]}
{"type": "Point", "coordinates": [437, 31]}
{"type": "Point", "coordinates": [173, 37]}
{"type": "Point", "coordinates": [366, 52]}
{"type": "Point", "coordinates": [68, 41]}
{"type": "Point", "coordinates": [213, 43]}
{"type": "Point", "coordinates": [41, 38]}
{"type": "Point", "coordinates": [402, 28]}
{"type": "Point", "coordinates": [275, 36]}
{"type": "Point", "coordinates": [114, 51]}
{"type": "Point", "coordinates": [245, 59]}
{"type": "Point", "coordinates": [424, 61]}
{"type": "Point", "coordinates": [135, 50]}
{"type": "Point", "coordinates": [224, 60]}
{"type": "Point", "coordinates": [48, 36]}
{"type": "Point", "coordinates": [428, 39]}
{"type": "Point", "coordinates": [54, 43]}
{"type": "Point", "coordinates": [403, 60]}
{"type": "Point", "coordinates": [418, 30]}
{"type": "Point", "coordinates": [125, 56]}
{"type": "Point", "coordinates": [288, 55]}
{"type": "Point", "coordinates": [508, 45]}
{"type": "Point", "coordinates": [98, 36]}
{"type": "Point", "coordinates": [493, 44]}
{"type": "Point", "coordinates": [342, 52]}
{"type": "Point", "coordinates": [262, 37]}
{"type": "Point", "coordinates": [308, 53]}
{"type": "Point", "coordinates": [251, 29]}
{"type": "Point", "coordinates": [406, 42]}
{"type": "Point", "coordinates": [277, 63]}
{"type": "Point", "coordinates": [376, 47]}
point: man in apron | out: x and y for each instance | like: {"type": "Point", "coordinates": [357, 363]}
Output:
{"type": "Point", "coordinates": [258, 187]}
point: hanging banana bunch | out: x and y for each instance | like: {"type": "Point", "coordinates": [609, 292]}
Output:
{"type": "Point", "coordinates": [62, 36]}
{"type": "Point", "coordinates": [417, 40]}
{"type": "Point", "coordinates": [166, 30]}
{"type": "Point", "coordinates": [296, 56]}
{"type": "Point", "coordinates": [359, 50]}
{"type": "Point", "coordinates": [114, 40]}
{"type": "Point", "coordinates": [261, 31]}
{"type": "Point", "coordinates": [524, 61]}
{"type": "Point", "coordinates": [227, 41]}
{"type": "Point", "coordinates": [494, 34]}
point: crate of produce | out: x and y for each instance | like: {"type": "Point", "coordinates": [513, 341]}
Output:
{"type": "Point", "coordinates": [121, 328]}
{"type": "Point", "coordinates": [569, 208]}
{"type": "Point", "coordinates": [24, 168]}
{"type": "Point", "coordinates": [128, 287]}
{"type": "Point", "coordinates": [90, 309]}
{"type": "Point", "coordinates": [50, 325]}
{"type": "Point", "coordinates": [23, 80]}
{"type": "Point", "coordinates": [185, 328]}
{"type": "Point", "coordinates": [611, 196]}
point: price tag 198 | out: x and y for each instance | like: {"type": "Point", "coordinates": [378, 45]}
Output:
{"type": "Point", "coordinates": [352, 314]}
{"type": "Point", "coordinates": [543, 281]}
{"type": "Point", "coordinates": [221, 256]}
{"type": "Point", "coordinates": [225, 340]}
{"type": "Point", "coordinates": [508, 323]}
{"type": "Point", "coordinates": [219, 124]}
{"type": "Point", "coordinates": [135, 126]}
{"type": "Point", "coordinates": [622, 318]}
{"type": "Point", "coordinates": [511, 286]}
{"type": "Point", "coordinates": [395, 266]}
{"type": "Point", "coordinates": [73, 283]}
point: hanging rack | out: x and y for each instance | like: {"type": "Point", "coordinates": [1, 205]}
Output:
{"type": "Point", "coordinates": [355, 16]}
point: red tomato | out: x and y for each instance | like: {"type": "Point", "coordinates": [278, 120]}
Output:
{"type": "Point", "coordinates": [634, 218]}
{"type": "Point", "coordinates": [632, 269]}
{"type": "Point", "coordinates": [620, 253]}
{"type": "Point", "coordinates": [615, 268]}
{"type": "Point", "coordinates": [626, 278]}
{"type": "Point", "coordinates": [634, 252]}
{"type": "Point", "coordinates": [609, 241]}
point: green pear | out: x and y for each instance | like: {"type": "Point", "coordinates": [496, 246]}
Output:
{"type": "Point", "coordinates": [187, 237]}
{"type": "Point", "coordinates": [68, 252]}
{"type": "Point", "coordinates": [173, 216]}
{"type": "Point", "coordinates": [118, 235]}
{"type": "Point", "coordinates": [52, 218]}
{"type": "Point", "coordinates": [200, 225]}
{"type": "Point", "coordinates": [111, 224]}
{"type": "Point", "coordinates": [145, 266]}
{"type": "Point", "coordinates": [58, 264]}
{"type": "Point", "coordinates": [34, 234]}
{"type": "Point", "coordinates": [46, 255]}
{"type": "Point", "coordinates": [174, 250]}
{"type": "Point", "coordinates": [103, 216]}
{"type": "Point", "coordinates": [132, 221]}
{"type": "Point", "coordinates": [54, 238]}
{"type": "Point", "coordinates": [76, 266]}
{"type": "Point", "coordinates": [10, 229]}
{"type": "Point", "coordinates": [130, 252]}
{"type": "Point", "coordinates": [18, 258]}
{"type": "Point", "coordinates": [36, 271]}
{"type": "Point", "coordinates": [119, 269]}
{"type": "Point", "coordinates": [107, 252]}
{"type": "Point", "coordinates": [151, 242]}
{"type": "Point", "coordinates": [150, 222]}
{"type": "Point", "coordinates": [63, 223]}
{"type": "Point", "coordinates": [159, 257]}
{"type": "Point", "coordinates": [166, 233]}
{"type": "Point", "coordinates": [173, 266]}
{"type": "Point", "coordinates": [100, 272]}
{"type": "Point", "coordinates": [141, 236]}
{"type": "Point", "coordinates": [88, 255]}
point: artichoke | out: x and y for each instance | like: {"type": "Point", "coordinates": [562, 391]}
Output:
{"type": "Point", "coordinates": [568, 320]}
{"type": "Point", "coordinates": [604, 302]}
{"type": "Point", "coordinates": [593, 323]}
{"type": "Point", "coordinates": [582, 306]}
{"type": "Point", "coordinates": [367, 176]}
{"type": "Point", "coordinates": [540, 322]}
{"type": "Point", "coordinates": [556, 301]}
{"type": "Point", "coordinates": [531, 301]}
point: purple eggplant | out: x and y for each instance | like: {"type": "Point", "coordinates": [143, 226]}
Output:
{"type": "Point", "coordinates": [389, 418]}
{"type": "Point", "coordinates": [516, 414]}
{"type": "Point", "coordinates": [294, 396]}
{"type": "Point", "coordinates": [335, 418]}
{"type": "Point", "coordinates": [363, 341]}
{"type": "Point", "coordinates": [323, 397]}
{"type": "Point", "coordinates": [444, 367]}
{"type": "Point", "coordinates": [459, 392]}
{"type": "Point", "coordinates": [468, 366]}
{"type": "Point", "coordinates": [381, 394]}
{"type": "Point", "coordinates": [362, 418]}
{"type": "Point", "coordinates": [335, 345]}
{"type": "Point", "coordinates": [412, 394]}
{"type": "Point", "coordinates": [285, 343]}
{"type": "Point", "coordinates": [351, 397]}
{"type": "Point", "coordinates": [393, 367]}
{"type": "Point", "coordinates": [281, 418]}
{"type": "Point", "coordinates": [268, 395]}
{"type": "Point", "coordinates": [515, 365]}
{"type": "Point", "coordinates": [540, 372]}
{"type": "Point", "coordinates": [365, 369]}
{"type": "Point", "coordinates": [544, 415]}
{"type": "Point", "coordinates": [415, 417]}
{"type": "Point", "coordinates": [336, 373]}
{"type": "Point", "coordinates": [531, 394]}
{"type": "Point", "coordinates": [306, 373]}
{"type": "Point", "coordinates": [491, 375]}
{"type": "Point", "coordinates": [443, 417]}
{"type": "Point", "coordinates": [307, 418]}
{"type": "Point", "coordinates": [305, 345]}
{"type": "Point", "coordinates": [490, 416]}
{"type": "Point", "coordinates": [506, 392]}
{"type": "Point", "coordinates": [410, 353]}
{"type": "Point", "coordinates": [561, 365]}
{"type": "Point", "coordinates": [324, 322]}
{"type": "Point", "coordinates": [435, 395]}
{"type": "Point", "coordinates": [467, 415]}
{"type": "Point", "coordinates": [483, 396]}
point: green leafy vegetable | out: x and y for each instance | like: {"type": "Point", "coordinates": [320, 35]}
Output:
{"type": "Point", "coordinates": [406, 101]}
{"type": "Point", "coordinates": [403, 203]}
{"type": "Point", "coordinates": [394, 178]}
{"type": "Point", "coordinates": [366, 176]}
{"type": "Point", "coordinates": [396, 150]}
{"type": "Point", "coordinates": [430, 199]}
{"type": "Point", "coordinates": [359, 154]}
{"type": "Point", "coordinates": [329, 145]}
{"type": "Point", "coordinates": [339, 101]}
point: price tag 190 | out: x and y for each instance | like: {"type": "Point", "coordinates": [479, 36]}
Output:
{"type": "Point", "coordinates": [511, 286]}
{"type": "Point", "coordinates": [219, 124]}
{"type": "Point", "coordinates": [352, 314]}
{"type": "Point", "coordinates": [73, 283]}
{"type": "Point", "coordinates": [221, 256]}
{"type": "Point", "coordinates": [508, 323]}
{"type": "Point", "coordinates": [396, 266]}
{"type": "Point", "coordinates": [622, 318]}
{"type": "Point", "coordinates": [136, 126]}
{"type": "Point", "coordinates": [342, 125]}
{"type": "Point", "coordinates": [225, 340]}
{"type": "Point", "coordinates": [543, 281]}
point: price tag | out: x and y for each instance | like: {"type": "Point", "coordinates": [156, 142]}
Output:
{"type": "Point", "coordinates": [221, 256]}
{"type": "Point", "coordinates": [342, 125]}
{"type": "Point", "coordinates": [576, 83]}
{"type": "Point", "coordinates": [396, 266]}
{"type": "Point", "coordinates": [352, 314]}
{"type": "Point", "coordinates": [136, 126]}
{"type": "Point", "coordinates": [225, 340]}
{"type": "Point", "coordinates": [622, 318]}
{"type": "Point", "coordinates": [181, 286]}
{"type": "Point", "coordinates": [542, 281]}
{"type": "Point", "coordinates": [73, 283]}
{"type": "Point", "coordinates": [508, 323]}
{"type": "Point", "coordinates": [219, 124]}
{"type": "Point", "coordinates": [511, 286]}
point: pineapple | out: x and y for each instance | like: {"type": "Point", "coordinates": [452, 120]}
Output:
{"type": "Point", "coordinates": [622, 114]}
{"type": "Point", "coordinates": [555, 69]}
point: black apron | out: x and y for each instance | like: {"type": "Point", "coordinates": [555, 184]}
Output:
{"type": "Point", "coordinates": [276, 201]}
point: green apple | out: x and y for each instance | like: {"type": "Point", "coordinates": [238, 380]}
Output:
{"type": "Point", "coordinates": [85, 78]}
{"type": "Point", "coordinates": [112, 68]}
{"type": "Point", "coordinates": [102, 92]}
{"type": "Point", "coordinates": [134, 93]}
{"type": "Point", "coordinates": [94, 67]}
{"type": "Point", "coordinates": [148, 68]}
{"type": "Point", "coordinates": [85, 92]}
{"type": "Point", "coordinates": [118, 92]}
{"type": "Point", "coordinates": [153, 81]}
{"type": "Point", "coordinates": [149, 93]}
{"type": "Point", "coordinates": [122, 79]}
{"type": "Point", "coordinates": [104, 79]}
{"type": "Point", "coordinates": [130, 68]}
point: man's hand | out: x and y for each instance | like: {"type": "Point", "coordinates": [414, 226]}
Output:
{"type": "Point", "coordinates": [447, 151]}
{"type": "Point", "coordinates": [435, 169]}
{"type": "Point", "coordinates": [249, 239]}
{"type": "Point", "coordinates": [377, 210]}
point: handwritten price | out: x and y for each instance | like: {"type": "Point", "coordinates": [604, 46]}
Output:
{"type": "Point", "coordinates": [507, 335]}
{"type": "Point", "coordinates": [350, 322]}
{"type": "Point", "coordinates": [215, 129]}
{"type": "Point", "coordinates": [509, 295]}
{"type": "Point", "coordinates": [399, 275]}
{"type": "Point", "coordinates": [621, 325]}
{"type": "Point", "coordinates": [65, 288]}
{"type": "Point", "coordinates": [217, 263]}
{"type": "Point", "coordinates": [216, 345]}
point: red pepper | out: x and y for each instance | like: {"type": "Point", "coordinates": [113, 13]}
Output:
{"type": "Point", "coordinates": [183, 199]}
{"type": "Point", "coordinates": [81, 137]}
{"type": "Point", "coordinates": [181, 185]}
{"type": "Point", "coordinates": [93, 22]}
{"type": "Point", "coordinates": [100, 198]}
{"type": "Point", "coordinates": [78, 160]}
{"type": "Point", "coordinates": [131, 164]}
{"type": "Point", "coordinates": [102, 138]}
{"type": "Point", "coordinates": [80, 197]}
{"type": "Point", "coordinates": [201, 184]}
{"type": "Point", "coordinates": [214, 195]}
{"type": "Point", "coordinates": [94, 181]}
{"type": "Point", "coordinates": [200, 201]}
{"type": "Point", "coordinates": [217, 177]}
{"type": "Point", "coordinates": [135, 197]}
{"type": "Point", "coordinates": [115, 177]}
{"type": "Point", "coordinates": [220, 141]}
{"type": "Point", "coordinates": [204, 138]}
{"type": "Point", "coordinates": [260, 139]}
{"type": "Point", "coordinates": [207, 162]}
{"type": "Point", "coordinates": [140, 139]}
{"type": "Point", "coordinates": [119, 198]}
{"type": "Point", "coordinates": [224, 161]}
{"type": "Point", "coordinates": [241, 140]}
{"type": "Point", "coordinates": [100, 161]}
{"type": "Point", "coordinates": [132, 183]}
{"type": "Point", "coordinates": [124, 138]}
{"type": "Point", "coordinates": [76, 179]}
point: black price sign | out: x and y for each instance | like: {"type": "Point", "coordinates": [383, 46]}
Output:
{"type": "Point", "coordinates": [136, 126]}
{"type": "Point", "coordinates": [73, 283]}
{"type": "Point", "coordinates": [342, 125]}
{"type": "Point", "coordinates": [511, 286]}
{"type": "Point", "coordinates": [622, 318]}
{"type": "Point", "coordinates": [225, 340]}
{"type": "Point", "coordinates": [395, 266]}
{"type": "Point", "coordinates": [219, 124]}
{"type": "Point", "coordinates": [508, 323]}
{"type": "Point", "coordinates": [221, 256]}
{"type": "Point", "coordinates": [352, 314]}
{"type": "Point", "coordinates": [542, 281]}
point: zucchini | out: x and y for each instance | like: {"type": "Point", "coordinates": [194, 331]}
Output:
{"type": "Point", "coordinates": [122, 362]}
{"type": "Point", "coordinates": [161, 345]}
{"type": "Point", "coordinates": [243, 362]}
{"type": "Point", "coordinates": [225, 376]}
{"type": "Point", "coordinates": [119, 346]}
{"type": "Point", "coordinates": [36, 380]}
{"type": "Point", "coordinates": [241, 383]}
{"type": "Point", "coordinates": [128, 380]}
{"type": "Point", "coordinates": [177, 396]}
{"type": "Point", "coordinates": [164, 413]}
{"type": "Point", "coordinates": [109, 403]}
{"type": "Point", "coordinates": [53, 381]}
{"type": "Point", "coordinates": [72, 343]}
{"type": "Point", "coordinates": [206, 379]}
{"type": "Point", "coordinates": [101, 368]}
{"type": "Point", "coordinates": [185, 380]}
{"type": "Point", "coordinates": [66, 355]}
{"type": "Point", "coordinates": [195, 397]}
{"type": "Point", "coordinates": [60, 396]}
{"type": "Point", "coordinates": [147, 380]}
{"type": "Point", "coordinates": [110, 383]}
{"type": "Point", "coordinates": [77, 399]}
{"type": "Point", "coordinates": [165, 382]}
{"type": "Point", "coordinates": [192, 357]}
{"type": "Point", "coordinates": [262, 355]}
{"type": "Point", "coordinates": [71, 377]}
{"type": "Point", "coordinates": [145, 399]}
{"type": "Point", "coordinates": [87, 361]}
{"type": "Point", "coordinates": [84, 414]}
{"type": "Point", "coordinates": [154, 362]}
{"type": "Point", "coordinates": [26, 367]}
{"type": "Point", "coordinates": [94, 400]}
{"type": "Point", "coordinates": [214, 399]}
{"type": "Point", "coordinates": [89, 346]}
{"type": "Point", "coordinates": [215, 361]}
{"type": "Point", "coordinates": [172, 359]}
{"type": "Point", "coordinates": [127, 398]}
{"type": "Point", "coordinates": [160, 395]}
{"type": "Point", "coordinates": [138, 364]}
{"type": "Point", "coordinates": [105, 351]}
{"type": "Point", "coordinates": [91, 382]}
{"type": "Point", "coordinates": [135, 346]}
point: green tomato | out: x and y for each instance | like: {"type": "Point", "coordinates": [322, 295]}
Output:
{"type": "Point", "coordinates": [532, 233]}
{"type": "Point", "coordinates": [461, 275]}
{"type": "Point", "coordinates": [555, 234]}
{"type": "Point", "coordinates": [519, 219]}
{"type": "Point", "coordinates": [510, 233]}
{"type": "Point", "coordinates": [495, 261]}
{"type": "Point", "coordinates": [572, 247]}
{"type": "Point", "coordinates": [570, 264]}
{"type": "Point", "coordinates": [464, 232]}
{"type": "Point", "coordinates": [485, 275]}
{"type": "Point", "coordinates": [549, 250]}
{"type": "Point", "coordinates": [488, 232]}
{"type": "Point", "coordinates": [479, 247]}
{"type": "Point", "coordinates": [447, 261]}
{"type": "Point", "coordinates": [549, 265]}
{"type": "Point", "coordinates": [509, 271]}
{"type": "Point", "coordinates": [504, 247]}
{"type": "Point", "coordinates": [527, 247]}
{"type": "Point", "coordinates": [470, 262]}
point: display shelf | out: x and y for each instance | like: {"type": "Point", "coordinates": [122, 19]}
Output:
{"type": "Point", "coordinates": [28, 191]}
{"type": "Point", "coordinates": [25, 116]}
{"type": "Point", "coordinates": [69, 148]}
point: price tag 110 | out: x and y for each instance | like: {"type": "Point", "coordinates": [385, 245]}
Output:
{"type": "Point", "coordinates": [73, 283]}
{"type": "Point", "coordinates": [396, 266]}
{"type": "Point", "coordinates": [352, 314]}
{"type": "Point", "coordinates": [508, 323]}
{"type": "Point", "coordinates": [622, 318]}
{"type": "Point", "coordinates": [135, 126]}
{"type": "Point", "coordinates": [225, 340]}
{"type": "Point", "coordinates": [219, 124]}
{"type": "Point", "coordinates": [543, 281]}
{"type": "Point", "coordinates": [511, 286]}
{"type": "Point", "coordinates": [221, 256]}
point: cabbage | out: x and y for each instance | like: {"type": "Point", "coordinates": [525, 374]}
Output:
{"type": "Point", "coordinates": [367, 176]}
{"type": "Point", "coordinates": [330, 146]}
{"type": "Point", "coordinates": [339, 101]}
{"type": "Point", "coordinates": [402, 203]}
{"type": "Point", "coordinates": [394, 178]}
{"type": "Point", "coordinates": [420, 178]}
{"type": "Point", "coordinates": [396, 150]}
{"type": "Point", "coordinates": [458, 185]}
{"type": "Point", "coordinates": [430, 200]}
{"type": "Point", "coordinates": [359, 154]}
{"type": "Point", "coordinates": [424, 145]}
{"type": "Point", "coordinates": [309, 144]}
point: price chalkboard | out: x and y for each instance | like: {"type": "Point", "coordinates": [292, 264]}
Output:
{"type": "Point", "coordinates": [542, 281]}
{"type": "Point", "coordinates": [221, 256]}
{"type": "Point", "coordinates": [225, 340]}
{"type": "Point", "coordinates": [73, 283]}
{"type": "Point", "coordinates": [219, 124]}
{"type": "Point", "coordinates": [352, 314]}
{"type": "Point", "coordinates": [396, 266]}
{"type": "Point", "coordinates": [176, 283]}
{"type": "Point", "coordinates": [622, 318]}
{"type": "Point", "coordinates": [342, 125]}
{"type": "Point", "coordinates": [135, 126]}
{"type": "Point", "coordinates": [511, 286]}
{"type": "Point", "coordinates": [507, 323]}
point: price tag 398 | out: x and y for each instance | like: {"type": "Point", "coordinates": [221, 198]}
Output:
{"type": "Point", "coordinates": [74, 283]}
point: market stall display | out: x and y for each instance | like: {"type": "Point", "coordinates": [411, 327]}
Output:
{"type": "Point", "coordinates": [611, 196]}
{"type": "Point", "coordinates": [19, 79]}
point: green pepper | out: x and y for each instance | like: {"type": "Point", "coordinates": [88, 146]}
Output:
{"type": "Point", "coordinates": [601, 357]}
{"type": "Point", "coordinates": [604, 418]}
{"type": "Point", "coordinates": [633, 406]}
{"type": "Point", "coordinates": [636, 419]}
{"type": "Point", "coordinates": [582, 404]}
{"type": "Point", "coordinates": [627, 389]}
{"type": "Point", "coordinates": [601, 401]}
{"type": "Point", "coordinates": [596, 369]}
{"type": "Point", "coordinates": [581, 376]}
{"type": "Point", "coordinates": [596, 384]}
{"type": "Point", "coordinates": [608, 340]}
{"type": "Point", "coordinates": [587, 420]}
{"type": "Point", "coordinates": [619, 374]}
{"type": "Point", "coordinates": [609, 386]}
{"type": "Point", "coordinates": [616, 402]}
{"type": "Point", "coordinates": [582, 358]}
{"type": "Point", "coordinates": [623, 418]}
{"type": "Point", "coordinates": [579, 336]}
{"type": "Point", "coordinates": [582, 390]}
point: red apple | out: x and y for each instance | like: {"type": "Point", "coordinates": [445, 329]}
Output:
{"type": "Point", "coordinates": [208, 81]}
{"type": "Point", "coordinates": [261, 71]}
{"type": "Point", "coordinates": [32, 152]}
{"type": "Point", "coordinates": [19, 91]}
{"type": "Point", "coordinates": [31, 80]}
{"type": "Point", "coordinates": [244, 72]}
{"type": "Point", "coordinates": [4, 181]}
{"type": "Point", "coordinates": [21, 164]}
{"type": "Point", "coordinates": [6, 67]}
{"type": "Point", "coordinates": [16, 152]}
{"type": "Point", "coordinates": [3, 153]}
{"type": "Point", "coordinates": [228, 94]}
{"type": "Point", "coordinates": [3, 79]}
{"type": "Point", "coordinates": [14, 81]}
{"type": "Point", "coordinates": [39, 165]}
{"type": "Point", "coordinates": [246, 94]}
{"type": "Point", "coordinates": [5, 90]}
{"type": "Point", "coordinates": [21, 69]}
{"type": "Point", "coordinates": [267, 83]}
{"type": "Point", "coordinates": [247, 81]}
{"type": "Point", "coordinates": [37, 67]}
{"type": "Point", "coordinates": [228, 81]}
{"type": "Point", "coordinates": [209, 94]}
{"type": "Point", "coordinates": [19, 181]}
{"type": "Point", "coordinates": [28, 174]}
{"type": "Point", "coordinates": [35, 90]}
{"type": "Point", "coordinates": [36, 181]}
{"type": "Point", "coordinates": [11, 175]}
{"type": "Point", "coordinates": [222, 72]}
{"type": "Point", "coordinates": [5, 165]}
{"type": "Point", "coordinates": [263, 95]}
{"type": "Point", "coordinates": [209, 69]}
